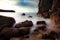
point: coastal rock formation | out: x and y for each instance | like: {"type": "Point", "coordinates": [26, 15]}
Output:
{"type": "Point", "coordinates": [6, 21]}
{"type": "Point", "coordinates": [52, 35]}
{"type": "Point", "coordinates": [44, 7]}
{"type": "Point", "coordinates": [40, 27]}
{"type": "Point", "coordinates": [15, 38]}
{"type": "Point", "coordinates": [23, 14]}
{"type": "Point", "coordinates": [9, 32]}
{"type": "Point", "coordinates": [24, 24]}
{"type": "Point", "coordinates": [30, 16]}
{"type": "Point", "coordinates": [1, 10]}
{"type": "Point", "coordinates": [55, 20]}
{"type": "Point", "coordinates": [14, 32]}
{"type": "Point", "coordinates": [24, 31]}
{"type": "Point", "coordinates": [47, 6]}
{"type": "Point", "coordinates": [41, 22]}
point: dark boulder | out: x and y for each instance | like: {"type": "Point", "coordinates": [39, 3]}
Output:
{"type": "Point", "coordinates": [14, 32]}
{"type": "Point", "coordinates": [2, 10]}
{"type": "Point", "coordinates": [24, 24]}
{"type": "Point", "coordinates": [41, 22]}
{"type": "Point", "coordinates": [24, 32]}
{"type": "Point", "coordinates": [1, 38]}
{"type": "Point", "coordinates": [42, 28]}
{"type": "Point", "coordinates": [30, 16]}
{"type": "Point", "coordinates": [9, 32]}
{"type": "Point", "coordinates": [23, 14]}
{"type": "Point", "coordinates": [51, 35]}
{"type": "Point", "coordinates": [6, 21]}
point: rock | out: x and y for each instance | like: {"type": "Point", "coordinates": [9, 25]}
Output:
{"type": "Point", "coordinates": [24, 24]}
{"type": "Point", "coordinates": [44, 6]}
{"type": "Point", "coordinates": [56, 5]}
{"type": "Point", "coordinates": [44, 15]}
{"type": "Point", "coordinates": [41, 28]}
{"type": "Point", "coordinates": [51, 35]}
{"type": "Point", "coordinates": [26, 37]}
{"type": "Point", "coordinates": [41, 22]}
{"type": "Point", "coordinates": [9, 32]}
{"type": "Point", "coordinates": [1, 10]}
{"type": "Point", "coordinates": [36, 37]}
{"type": "Point", "coordinates": [23, 14]}
{"type": "Point", "coordinates": [30, 16]}
{"type": "Point", "coordinates": [47, 31]}
{"type": "Point", "coordinates": [24, 31]}
{"type": "Point", "coordinates": [15, 38]}
{"type": "Point", "coordinates": [1, 38]}
{"type": "Point", "coordinates": [55, 20]}
{"type": "Point", "coordinates": [15, 32]}
{"type": "Point", "coordinates": [6, 21]}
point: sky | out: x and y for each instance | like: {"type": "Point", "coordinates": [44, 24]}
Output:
{"type": "Point", "coordinates": [20, 5]}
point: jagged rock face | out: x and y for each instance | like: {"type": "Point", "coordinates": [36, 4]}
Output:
{"type": "Point", "coordinates": [6, 22]}
{"type": "Point", "coordinates": [44, 6]}
{"type": "Point", "coordinates": [55, 20]}
{"type": "Point", "coordinates": [56, 5]}
{"type": "Point", "coordinates": [48, 6]}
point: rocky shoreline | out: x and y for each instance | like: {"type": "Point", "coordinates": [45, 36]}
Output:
{"type": "Point", "coordinates": [21, 31]}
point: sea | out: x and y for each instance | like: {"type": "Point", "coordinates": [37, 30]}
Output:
{"type": "Point", "coordinates": [20, 18]}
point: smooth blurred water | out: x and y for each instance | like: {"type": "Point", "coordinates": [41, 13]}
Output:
{"type": "Point", "coordinates": [19, 18]}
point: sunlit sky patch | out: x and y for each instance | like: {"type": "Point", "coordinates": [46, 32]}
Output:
{"type": "Point", "coordinates": [20, 5]}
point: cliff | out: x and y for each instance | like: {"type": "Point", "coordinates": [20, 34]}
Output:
{"type": "Point", "coordinates": [46, 7]}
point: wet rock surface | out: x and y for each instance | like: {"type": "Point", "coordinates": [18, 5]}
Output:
{"type": "Point", "coordinates": [23, 14]}
{"type": "Point", "coordinates": [14, 32]}
{"type": "Point", "coordinates": [24, 24]}
{"type": "Point", "coordinates": [41, 22]}
{"type": "Point", "coordinates": [42, 28]}
{"type": "Point", "coordinates": [6, 22]}
{"type": "Point", "coordinates": [24, 31]}
{"type": "Point", "coordinates": [52, 35]}
{"type": "Point", "coordinates": [30, 16]}
{"type": "Point", "coordinates": [9, 32]}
